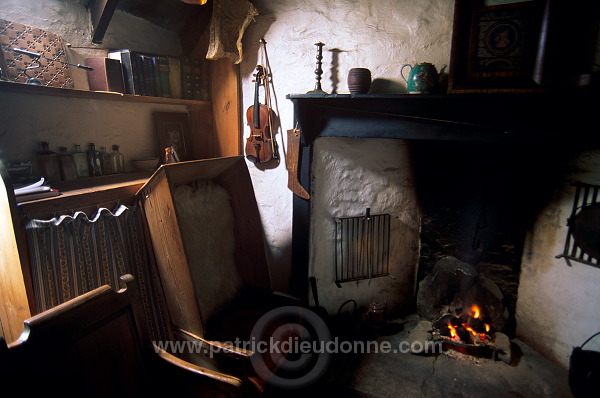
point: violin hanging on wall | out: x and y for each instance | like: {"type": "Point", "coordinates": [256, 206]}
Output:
{"type": "Point", "coordinates": [260, 145]}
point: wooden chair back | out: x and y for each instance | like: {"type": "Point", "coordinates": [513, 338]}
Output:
{"type": "Point", "coordinates": [95, 345]}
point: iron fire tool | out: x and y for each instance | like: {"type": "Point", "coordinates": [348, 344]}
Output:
{"type": "Point", "coordinates": [37, 56]}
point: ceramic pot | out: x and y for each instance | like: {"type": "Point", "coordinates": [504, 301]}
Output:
{"type": "Point", "coordinates": [423, 78]}
{"type": "Point", "coordinates": [359, 80]}
{"type": "Point", "coordinates": [377, 312]}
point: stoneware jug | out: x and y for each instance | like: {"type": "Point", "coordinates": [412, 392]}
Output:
{"type": "Point", "coordinates": [423, 78]}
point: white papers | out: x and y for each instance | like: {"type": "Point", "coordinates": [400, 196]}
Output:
{"type": "Point", "coordinates": [32, 188]}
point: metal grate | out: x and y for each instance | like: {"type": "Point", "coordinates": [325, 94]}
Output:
{"type": "Point", "coordinates": [585, 195]}
{"type": "Point", "coordinates": [362, 247]}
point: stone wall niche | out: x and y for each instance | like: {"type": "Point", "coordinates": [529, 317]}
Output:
{"type": "Point", "coordinates": [349, 176]}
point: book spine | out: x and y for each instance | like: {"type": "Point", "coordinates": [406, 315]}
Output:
{"type": "Point", "coordinates": [132, 77]}
{"type": "Point", "coordinates": [114, 75]}
{"type": "Point", "coordinates": [35, 196]}
{"type": "Point", "coordinates": [163, 71]}
{"type": "Point", "coordinates": [187, 83]}
{"type": "Point", "coordinates": [137, 69]}
{"type": "Point", "coordinates": [156, 76]}
{"type": "Point", "coordinates": [148, 68]}
{"type": "Point", "coordinates": [200, 77]}
{"type": "Point", "coordinates": [197, 78]}
{"type": "Point", "coordinates": [106, 74]}
{"type": "Point", "coordinates": [175, 77]}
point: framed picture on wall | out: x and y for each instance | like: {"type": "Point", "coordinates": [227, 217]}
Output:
{"type": "Point", "coordinates": [173, 130]}
{"type": "Point", "coordinates": [497, 45]}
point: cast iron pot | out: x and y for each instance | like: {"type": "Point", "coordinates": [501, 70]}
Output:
{"type": "Point", "coordinates": [584, 371]}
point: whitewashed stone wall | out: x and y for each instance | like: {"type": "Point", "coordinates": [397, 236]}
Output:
{"type": "Point", "coordinates": [557, 307]}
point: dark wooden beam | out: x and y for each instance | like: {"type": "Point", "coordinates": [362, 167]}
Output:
{"type": "Point", "coordinates": [194, 34]}
{"type": "Point", "coordinates": [101, 12]}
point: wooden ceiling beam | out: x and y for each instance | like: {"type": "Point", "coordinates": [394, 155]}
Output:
{"type": "Point", "coordinates": [193, 33]}
{"type": "Point", "coordinates": [101, 13]}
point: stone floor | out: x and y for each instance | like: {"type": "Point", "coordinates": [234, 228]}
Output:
{"type": "Point", "coordinates": [449, 374]}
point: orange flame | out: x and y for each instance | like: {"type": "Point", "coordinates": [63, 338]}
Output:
{"type": "Point", "coordinates": [475, 313]}
{"type": "Point", "coordinates": [452, 331]}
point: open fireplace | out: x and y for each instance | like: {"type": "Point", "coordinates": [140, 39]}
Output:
{"type": "Point", "coordinates": [481, 168]}
{"type": "Point", "coordinates": [471, 174]}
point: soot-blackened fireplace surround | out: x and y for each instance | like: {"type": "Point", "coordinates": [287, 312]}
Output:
{"type": "Point", "coordinates": [526, 134]}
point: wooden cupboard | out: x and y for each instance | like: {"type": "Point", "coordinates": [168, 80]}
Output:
{"type": "Point", "coordinates": [219, 122]}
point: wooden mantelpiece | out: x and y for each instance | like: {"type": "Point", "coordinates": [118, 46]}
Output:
{"type": "Point", "coordinates": [533, 121]}
{"type": "Point", "coordinates": [501, 117]}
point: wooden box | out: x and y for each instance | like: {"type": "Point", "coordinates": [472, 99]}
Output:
{"type": "Point", "coordinates": [182, 263]}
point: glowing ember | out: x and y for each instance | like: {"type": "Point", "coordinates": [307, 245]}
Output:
{"type": "Point", "coordinates": [468, 327]}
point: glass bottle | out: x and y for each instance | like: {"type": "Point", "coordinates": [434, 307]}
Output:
{"type": "Point", "coordinates": [117, 160]}
{"type": "Point", "coordinates": [47, 163]}
{"type": "Point", "coordinates": [94, 160]}
{"type": "Point", "coordinates": [105, 161]}
{"type": "Point", "coordinates": [81, 162]}
{"type": "Point", "coordinates": [68, 170]}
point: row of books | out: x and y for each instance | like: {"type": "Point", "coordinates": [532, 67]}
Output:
{"type": "Point", "coordinates": [162, 76]}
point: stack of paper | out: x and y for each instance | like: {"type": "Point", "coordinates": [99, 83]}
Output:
{"type": "Point", "coordinates": [34, 191]}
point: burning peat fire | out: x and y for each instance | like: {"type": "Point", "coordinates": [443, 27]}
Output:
{"type": "Point", "coordinates": [468, 328]}
{"type": "Point", "coordinates": [463, 310]}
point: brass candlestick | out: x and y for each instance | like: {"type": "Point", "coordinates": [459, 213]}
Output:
{"type": "Point", "coordinates": [319, 70]}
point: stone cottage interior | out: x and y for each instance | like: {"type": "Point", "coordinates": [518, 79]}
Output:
{"type": "Point", "coordinates": [397, 214]}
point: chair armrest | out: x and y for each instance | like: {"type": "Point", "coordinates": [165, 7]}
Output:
{"type": "Point", "coordinates": [286, 298]}
{"type": "Point", "coordinates": [196, 379]}
{"type": "Point", "coordinates": [215, 347]}
{"type": "Point", "coordinates": [190, 367]}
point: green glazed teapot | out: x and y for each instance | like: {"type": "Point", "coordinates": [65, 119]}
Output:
{"type": "Point", "coordinates": [423, 78]}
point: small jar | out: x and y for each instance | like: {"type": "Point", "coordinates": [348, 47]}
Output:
{"type": "Point", "coordinates": [359, 80]}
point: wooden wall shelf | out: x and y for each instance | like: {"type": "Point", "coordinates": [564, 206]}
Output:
{"type": "Point", "coordinates": [88, 194]}
{"type": "Point", "coordinates": [99, 95]}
